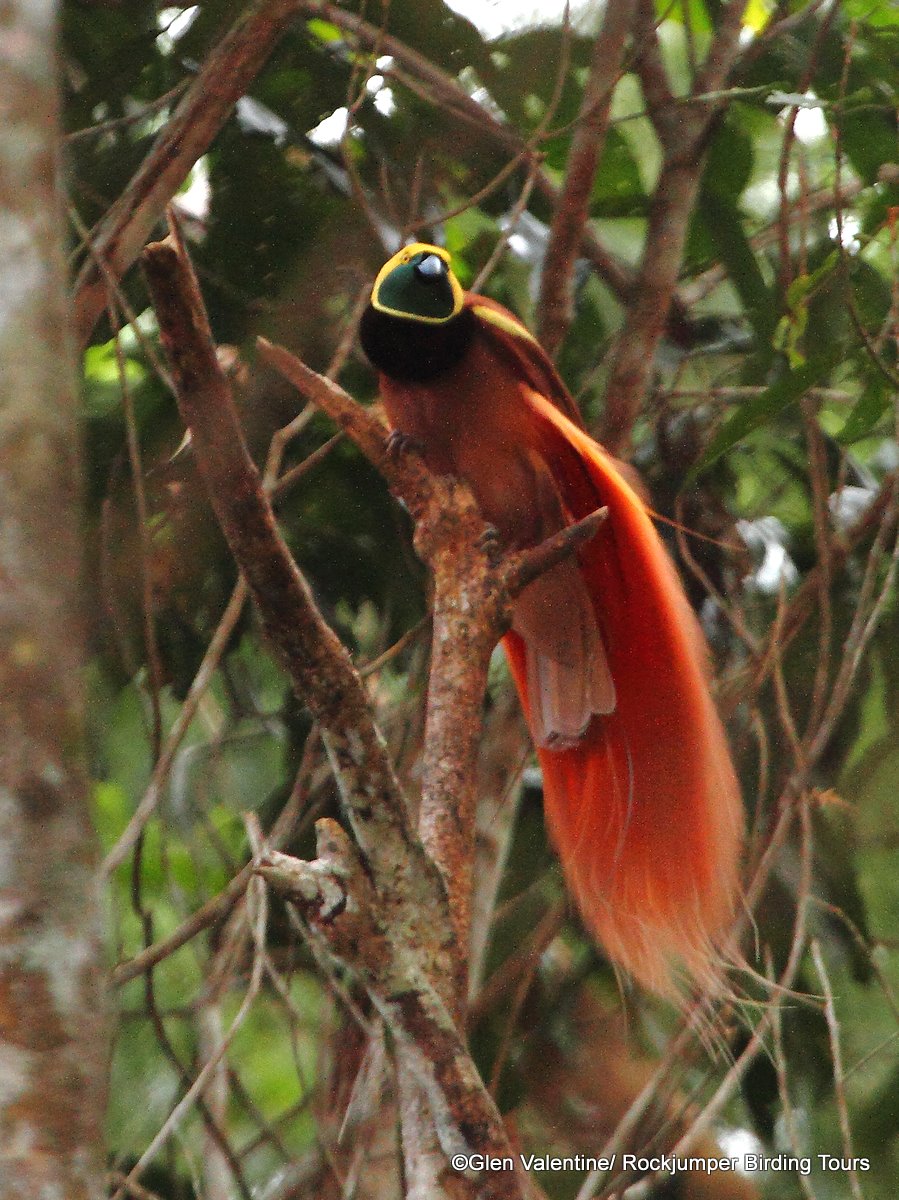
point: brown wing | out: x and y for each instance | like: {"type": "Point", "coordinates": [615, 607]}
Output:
{"type": "Point", "coordinates": [517, 347]}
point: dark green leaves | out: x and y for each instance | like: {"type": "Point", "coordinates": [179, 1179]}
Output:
{"type": "Point", "coordinates": [754, 413]}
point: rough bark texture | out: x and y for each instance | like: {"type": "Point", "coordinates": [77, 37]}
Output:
{"type": "Point", "coordinates": [52, 1043]}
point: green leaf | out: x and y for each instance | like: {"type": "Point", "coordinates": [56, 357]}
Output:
{"type": "Point", "coordinates": [755, 413]}
{"type": "Point", "coordinates": [789, 335]}
{"type": "Point", "coordinates": [522, 73]}
{"type": "Point", "coordinates": [867, 411]}
{"type": "Point", "coordinates": [878, 13]}
{"type": "Point", "coordinates": [325, 31]}
{"type": "Point", "coordinates": [692, 12]}
{"type": "Point", "coordinates": [730, 158]}
{"type": "Point", "coordinates": [617, 187]}
{"type": "Point", "coordinates": [803, 285]}
{"type": "Point", "coordinates": [725, 228]}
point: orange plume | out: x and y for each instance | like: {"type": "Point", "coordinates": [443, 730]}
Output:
{"type": "Point", "coordinates": [644, 810]}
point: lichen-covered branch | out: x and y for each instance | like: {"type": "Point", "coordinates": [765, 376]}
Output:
{"type": "Point", "coordinates": [53, 1036]}
{"type": "Point", "coordinates": [342, 908]}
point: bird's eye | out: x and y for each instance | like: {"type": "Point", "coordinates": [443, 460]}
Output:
{"type": "Point", "coordinates": [430, 268]}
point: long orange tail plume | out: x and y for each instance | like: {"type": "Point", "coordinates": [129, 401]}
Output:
{"type": "Point", "coordinates": [644, 810]}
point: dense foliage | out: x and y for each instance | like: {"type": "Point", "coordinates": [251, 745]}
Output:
{"type": "Point", "coordinates": [768, 432]}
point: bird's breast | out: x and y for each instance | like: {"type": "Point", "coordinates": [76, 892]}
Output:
{"type": "Point", "coordinates": [474, 422]}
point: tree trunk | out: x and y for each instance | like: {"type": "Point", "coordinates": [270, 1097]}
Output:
{"type": "Point", "coordinates": [53, 1046]}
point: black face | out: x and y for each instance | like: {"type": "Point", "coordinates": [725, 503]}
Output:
{"type": "Point", "coordinates": [403, 348]}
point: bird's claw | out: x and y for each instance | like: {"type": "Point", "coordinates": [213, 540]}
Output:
{"type": "Point", "coordinates": [489, 542]}
{"type": "Point", "coordinates": [398, 443]}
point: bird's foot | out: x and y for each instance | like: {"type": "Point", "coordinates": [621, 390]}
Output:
{"type": "Point", "coordinates": [398, 443]}
{"type": "Point", "coordinates": [489, 542]}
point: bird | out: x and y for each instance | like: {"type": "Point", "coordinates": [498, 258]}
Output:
{"type": "Point", "coordinates": [641, 798]}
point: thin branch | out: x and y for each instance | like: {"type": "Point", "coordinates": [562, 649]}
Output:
{"type": "Point", "coordinates": [523, 568]}
{"type": "Point", "coordinates": [786, 1103]}
{"type": "Point", "coordinates": [836, 1055]}
{"type": "Point", "coordinates": [114, 124]}
{"type": "Point", "coordinates": [683, 145]}
{"type": "Point", "coordinates": [454, 101]}
{"type": "Point", "coordinates": [821, 200]}
{"type": "Point", "coordinates": [649, 66]}
{"type": "Point", "coordinates": [227, 73]}
{"type": "Point", "coordinates": [573, 206]}
{"type": "Point", "coordinates": [218, 907]}
{"type": "Point", "coordinates": [711, 1110]}
{"type": "Point", "coordinates": [804, 601]}
{"type": "Point", "coordinates": [163, 764]}
{"type": "Point", "coordinates": [207, 1072]}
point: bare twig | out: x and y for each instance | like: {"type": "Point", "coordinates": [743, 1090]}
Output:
{"type": "Point", "coordinates": [572, 209]}
{"type": "Point", "coordinates": [786, 1103]}
{"type": "Point", "coordinates": [803, 603]}
{"type": "Point", "coordinates": [683, 144]}
{"type": "Point", "coordinates": [455, 101]}
{"type": "Point", "coordinates": [227, 73]}
{"type": "Point", "coordinates": [710, 1111]}
{"type": "Point", "coordinates": [163, 764]}
{"type": "Point", "coordinates": [217, 907]}
{"type": "Point", "coordinates": [836, 1055]}
{"type": "Point", "coordinates": [209, 1068]}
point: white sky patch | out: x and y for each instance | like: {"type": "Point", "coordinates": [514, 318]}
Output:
{"type": "Point", "coordinates": [329, 131]}
{"type": "Point", "coordinates": [810, 124]}
{"type": "Point", "coordinates": [383, 96]}
{"type": "Point", "coordinates": [174, 23]}
{"type": "Point", "coordinates": [518, 245]}
{"type": "Point", "coordinates": [194, 200]}
{"type": "Point", "coordinates": [762, 198]}
{"type": "Point", "coordinates": [766, 537]}
{"type": "Point", "coordinates": [494, 18]}
{"type": "Point", "coordinates": [254, 117]}
{"type": "Point", "coordinates": [848, 504]}
{"type": "Point", "coordinates": [851, 227]}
